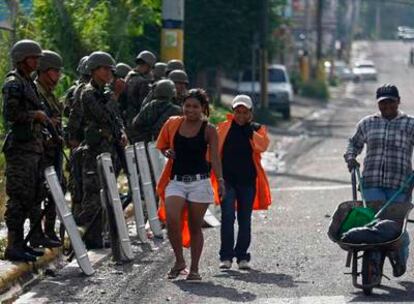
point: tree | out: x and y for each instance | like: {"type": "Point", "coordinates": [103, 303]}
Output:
{"type": "Point", "coordinates": [219, 34]}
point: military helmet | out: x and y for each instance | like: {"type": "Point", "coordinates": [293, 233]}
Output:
{"type": "Point", "coordinates": [159, 70]}
{"type": "Point", "coordinates": [81, 69]}
{"type": "Point", "coordinates": [178, 76]}
{"type": "Point", "coordinates": [147, 57]}
{"type": "Point", "coordinates": [174, 64]}
{"type": "Point", "coordinates": [164, 89]}
{"type": "Point", "coordinates": [122, 70]}
{"type": "Point", "coordinates": [100, 59]}
{"type": "Point", "coordinates": [50, 60]}
{"type": "Point", "coordinates": [23, 49]}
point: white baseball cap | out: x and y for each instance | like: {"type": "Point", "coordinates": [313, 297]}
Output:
{"type": "Point", "coordinates": [242, 100]}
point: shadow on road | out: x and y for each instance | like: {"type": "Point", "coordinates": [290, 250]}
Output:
{"type": "Point", "coordinates": [212, 290]}
{"type": "Point", "coordinates": [259, 277]}
{"type": "Point", "coordinates": [393, 295]}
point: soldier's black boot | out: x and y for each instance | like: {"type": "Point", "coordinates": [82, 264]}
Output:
{"type": "Point", "coordinates": [34, 252]}
{"type": "Point", "coordinates": [50, 230]}
{"type": "Point", "coordinates": [39, 239]}
{"type": "Point", "coordinates": [14, 251]}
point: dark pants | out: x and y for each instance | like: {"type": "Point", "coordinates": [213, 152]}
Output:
{"type": "Point", "coordinates": [244, 195]}
{"type": "Point", "coordinates": [24, 185]}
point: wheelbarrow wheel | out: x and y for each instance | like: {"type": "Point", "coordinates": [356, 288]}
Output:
{"type": "Point", "coordinates": [372, 264]}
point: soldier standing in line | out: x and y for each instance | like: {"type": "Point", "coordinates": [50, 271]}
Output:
{"type": "Point", "coordinates": [122, 70]}
{"type": "Point", "coordinates": [23, 147]}
{"type": "Point", "coordinates": [174, 64]}
{"type": "Point", "coordinates": [103, 130]}
{"type": "Point", "coordinates": [180, 79]}
{"type": "Point", "coordinates": [84, 77]}
{"type": "Point", "coordinates": [49, 72]}
{"type": "Point", "coordinates": [74, 134]}
{"type": "Point", "coordinates": [159, 72]}
{"type": "Point", "coordinates": [137, 87]}
{"type": "Point", "coordinates": [152, 117]}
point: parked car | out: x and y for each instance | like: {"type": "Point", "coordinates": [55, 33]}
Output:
{"type": "Point", "coordinates": [340, 71]}
{"type": "Point", "coordinates": [280, 91]}
{"type": "Point", "coordinates": [405, 33]}
{"type": "Point", "coordinates": [365, 70]}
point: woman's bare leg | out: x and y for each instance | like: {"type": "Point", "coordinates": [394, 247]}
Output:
{"type": "Point", "coordinates": [196, 213]}
{"type": "Point", "coordinates": [174, 206]}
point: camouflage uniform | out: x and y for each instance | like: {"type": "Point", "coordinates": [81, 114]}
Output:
{"type": "Point", "coordinates": [149, 121]}
{"type": "Point", "coordinates": [23, 149]}
{"type": "Point", "coordinates": [70, 96]}
{"type": "Point", "coordinates": [100, 121]}
{"type": "Point", "coordinates": [53, 152]}
{"type": "Point", "coordinates": [137, 88]}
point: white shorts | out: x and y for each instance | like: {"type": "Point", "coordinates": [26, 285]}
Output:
{"type": "Point", "coordinates": [196, 192]}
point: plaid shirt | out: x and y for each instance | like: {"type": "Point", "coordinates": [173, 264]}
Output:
{"type": "Point", "coordinates": [389, 149]}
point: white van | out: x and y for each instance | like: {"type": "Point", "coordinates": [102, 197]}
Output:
{"type": "Point", "coordinates": [280, 91]}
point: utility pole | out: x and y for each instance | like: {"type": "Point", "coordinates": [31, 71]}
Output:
{"type": "Point", "coordinates": [264, 101]}
{"type": "Point", "coordinates": [319, 38]}
{"type": "Point", "coordinates": [378, 21]}
{"type": "Point", "coordinates": [172, 35]}
{"type": "Point", "coordinates": [319, 30]}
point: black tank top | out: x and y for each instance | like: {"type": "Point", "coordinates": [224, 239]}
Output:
{"type": "Point", "coordinates": [190, 154]}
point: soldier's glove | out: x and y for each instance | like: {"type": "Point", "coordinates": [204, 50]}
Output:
{"type": "Point", "coordinates": [352, 164]}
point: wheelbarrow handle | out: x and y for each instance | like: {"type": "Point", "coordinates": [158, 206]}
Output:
{"type": "Point", "coordinates": [354, 185]}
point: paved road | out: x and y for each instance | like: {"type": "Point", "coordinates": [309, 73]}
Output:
{"type": "Point", "coordinates": [292, 258]}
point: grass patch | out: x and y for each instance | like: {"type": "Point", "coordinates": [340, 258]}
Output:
{"type": "Point", "coordinates": [218, 114]}
{"type": "Point", "coordinates": [315, 89]}
{"type": "Point", "coordinates": [3, 245]}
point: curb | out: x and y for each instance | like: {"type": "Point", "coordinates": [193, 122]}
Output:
{"type": "Point", "coordinates": [19, 272]}
{"type": "Point", "coordinates": [15, 276]}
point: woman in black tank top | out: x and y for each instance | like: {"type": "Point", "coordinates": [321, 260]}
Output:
{"type": "Point", "coordinates": [190, 185]}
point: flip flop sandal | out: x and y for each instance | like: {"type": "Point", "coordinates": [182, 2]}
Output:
{"type": "Point", "coordinates": [175, 272]}
{"type": "Point", "coordinates": [193, 277]}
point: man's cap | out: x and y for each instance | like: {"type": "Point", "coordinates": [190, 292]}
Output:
{"type": "Point", "coordinates": [242, 100]}
{"type": "Point", "coordinates": [387, 91]}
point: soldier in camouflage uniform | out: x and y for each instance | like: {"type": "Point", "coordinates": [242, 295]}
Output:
{"type": "Point", "coordinates": [137, 87]}
{"type": "Point", "coordinates": [49, 72]}
{"type": "Point", "coordinates": [149, 121]}
{"type": "Point", "coordinates": [103, 131]}
{"type": "Point", "coordinates": [84, 77]}
{"type": "Point", "coordinates": [23, 147]}
{"type": "Point", "coordinates": [159, 72]}
{"type": "Point", "coordinates": [122, 70]}
{"type": "Point", "coordinates": [180, 79]}
{"type": "Point", "coordinates": [174, 64]}
{"type": "Point", "coordinates": [74, 134]}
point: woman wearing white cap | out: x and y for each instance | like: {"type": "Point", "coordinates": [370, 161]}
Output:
{"type": "Point", "coordinates": [241, 142]}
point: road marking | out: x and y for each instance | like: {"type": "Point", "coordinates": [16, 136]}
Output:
{"type": "Point", "coordinates": [303, 300]}
{"type": "Point", "coordinates": [311, 188]}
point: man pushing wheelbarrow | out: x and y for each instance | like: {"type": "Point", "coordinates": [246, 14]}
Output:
{"type": "Point", "coordinates": [376, 225]}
